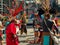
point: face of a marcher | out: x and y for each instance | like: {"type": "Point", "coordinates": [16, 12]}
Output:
{"type": "Point", "coordinates": [47, 16]}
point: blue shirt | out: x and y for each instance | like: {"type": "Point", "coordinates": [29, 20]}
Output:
{"type": "Point", "coordinates": [42, 16]}
{"type": "Point", "coordinates": [7, 23]}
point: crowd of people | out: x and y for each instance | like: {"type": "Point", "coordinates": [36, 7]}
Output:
{"type": "Point", "coordinates": [12, 25]}
{"type": "Point", "coordinates": [42, 25]}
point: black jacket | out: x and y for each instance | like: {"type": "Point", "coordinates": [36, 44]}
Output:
{"type": "Point", "coordinates": [49, 24]}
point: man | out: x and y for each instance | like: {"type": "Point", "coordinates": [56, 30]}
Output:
{"type": "Point", "coordinates": [11, 38]}
{"type": "Point", "coordinates": [47, 27]}
{"type": "Point", "coordinates": [23, 24]}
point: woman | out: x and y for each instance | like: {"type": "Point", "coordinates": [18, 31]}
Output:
{"type": "Point", "coordinates": [37, 29]}
{"type": "Point", "coordinates": [11, 37]}
{"type": "Point", "coordinates": [40, 30]}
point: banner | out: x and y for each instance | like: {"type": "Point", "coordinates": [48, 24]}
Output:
{"type": "Point", "coordinates": [18, 10]}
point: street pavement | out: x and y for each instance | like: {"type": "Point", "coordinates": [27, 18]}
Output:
{"type": "Point", "coordinates": [23, 39]}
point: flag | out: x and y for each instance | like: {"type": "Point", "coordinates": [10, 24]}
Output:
{"type": "Point", "coordinates": [18, 10]}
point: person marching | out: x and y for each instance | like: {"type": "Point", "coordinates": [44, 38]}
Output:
{"type": "Point", "coordinates": [23, 24]}
{"type": "Point", "coordinates": [47, 25]}
{"type": "Point", "coordinates": [37, 29]}
{"type": "Point", "coordinates": [11, 37]}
